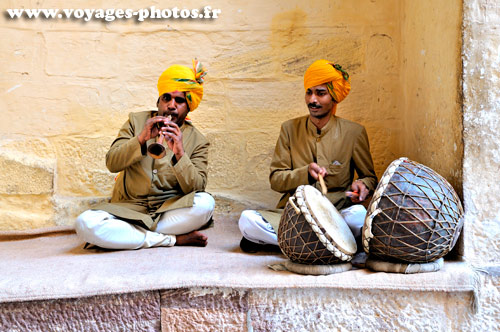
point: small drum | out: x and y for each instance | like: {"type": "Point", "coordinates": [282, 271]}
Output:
{"type": "Point", "coordinates": [415, 216]}
{"type": "Point", "coordinates": [312, 231]}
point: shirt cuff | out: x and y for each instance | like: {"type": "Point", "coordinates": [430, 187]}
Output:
{"type": "Point", "coordinates": [181, 164]}
{"type": "Point", "coordinates": [135, 148]}
{"type": "Point", "coordinates": [366, 183]}
{"type": "Point", "coordinates": [144, 148]}
{"type": "Point", "coordinates": [302, 175]}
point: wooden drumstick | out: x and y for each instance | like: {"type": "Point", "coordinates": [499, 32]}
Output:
{"type": "Point", "coordinates": [352, 194]}
{"type": "Point", "coordinates": [322, 183]}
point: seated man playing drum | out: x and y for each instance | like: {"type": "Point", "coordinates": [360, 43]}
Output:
{"type": "Point", "coordinates": [158, 199]}
{"type": "Point", "coordinates": [320, 143]}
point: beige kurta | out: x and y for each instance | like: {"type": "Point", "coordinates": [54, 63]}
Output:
{"type": "Point", "coordinates": [341, 147]}
{"type": "Point", "coordinates": [146, 187]}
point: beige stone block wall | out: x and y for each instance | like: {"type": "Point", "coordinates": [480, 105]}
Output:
{"type": "Point", "coordinates": [318, 309]}
{"type": "Point", "coordinates": [108, 313]}
{"type": "Point", "coordinates": [348, 310]}
{"type": "Point", "coordinates": [203, 310]}
{"type": "Point", "coordinates": [67, 87]}
{"type": "Point", "coordinates": [430, 99]}
{"type": "Point", "coordinates": [430, 86]}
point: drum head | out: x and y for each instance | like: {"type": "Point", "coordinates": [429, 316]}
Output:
{"type": "Point", "coordinates": [328, 218]}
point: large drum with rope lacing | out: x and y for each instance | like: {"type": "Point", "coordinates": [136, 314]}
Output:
{"type": "Point", "coordinates": [415, 215]}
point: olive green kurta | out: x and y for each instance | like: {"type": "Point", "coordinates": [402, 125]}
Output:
{"type": "Point", "coordinates": [341, 146]}
{"type": "Point", "coordinates": [146, 187]}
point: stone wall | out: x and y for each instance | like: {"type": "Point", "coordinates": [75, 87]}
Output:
{"type": "Point", "coordinates": [481, 120]}
{"type": "Point", "coordinates": [238, 310]}
{"type": "Point", "coordinates": [67, 86]}
{"type": "Point", "coordinates": [430, 86]}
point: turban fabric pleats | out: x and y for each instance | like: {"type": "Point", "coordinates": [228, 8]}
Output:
{"type": "Point", "coordinates": [184, 79]}
{"type": "Point", "coordinates": [326, 72]}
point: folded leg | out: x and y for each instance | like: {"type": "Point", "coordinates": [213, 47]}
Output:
{"type": "Point", "coordinates": [106, 231]}
{"type": "Point", "coordinates": [185, 220]}
{"type": "Point", "coordinates": [355, 219]}
{"type": "Point", "coordinates": [256, 229]}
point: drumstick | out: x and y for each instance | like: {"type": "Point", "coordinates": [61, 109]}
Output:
{"type": "Point", "coordinates": [322, 183]}
{"type": "Point", "coordinates": [352, 194]}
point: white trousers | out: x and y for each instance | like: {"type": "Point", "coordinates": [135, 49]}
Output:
{"type": "Point", "coordinates": [107, 231]}
{"type": "Point", "coordinates": [258, 230]}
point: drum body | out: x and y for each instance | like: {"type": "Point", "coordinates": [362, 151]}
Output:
{"type": "Point", "coordinates": [312, 231]}
{"type": "Point", "coordinates": [415, 215]}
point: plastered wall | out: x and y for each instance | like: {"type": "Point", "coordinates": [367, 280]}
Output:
{"type": "Point", "coordinates": [430, 83]}
{"type": "Point", "coordinates": [68, 86]}
{"type": "Point", "coordinates": [430, 88]}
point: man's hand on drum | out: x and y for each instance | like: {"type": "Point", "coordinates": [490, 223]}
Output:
{"type": "Point", "coordinates": [315, 170]}
{"type": "Point", "coordinates": [359, 192]}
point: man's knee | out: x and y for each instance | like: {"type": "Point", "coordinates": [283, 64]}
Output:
{"type": "Point", "coordinates": [357, 211]}
{"type": "Point", "coordinates": [355, 218]}
{"type": "Point", "coordinates": [85, 225]}
{"type": "Point", "coordinates": [204, 203]}
{"type": "Point", "coordinates": [89, 220]}
{"type": "Point", "coordinates": [256, 229]}
{"type": "Point", "coordinates": [248, 220]}
{"type": "Point", "coordinates": [245, 218]}
{"type": "Point", "coordinates": [83, 221]}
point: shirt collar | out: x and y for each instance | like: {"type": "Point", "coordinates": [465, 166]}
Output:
{"type": "Point", "coordinates": [313, 130]}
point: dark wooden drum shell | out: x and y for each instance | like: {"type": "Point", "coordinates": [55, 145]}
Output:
{"type": "Point", "coordinates": [415, 215]}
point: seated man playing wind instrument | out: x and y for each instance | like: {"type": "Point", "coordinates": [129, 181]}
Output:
{"type": "Point", "coordinates": [157, 200]}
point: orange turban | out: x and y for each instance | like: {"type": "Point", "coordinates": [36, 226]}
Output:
{"type": "Point", "coordinates": [184, 79]}
{"type": "Point", "coordinates": [336, 79]}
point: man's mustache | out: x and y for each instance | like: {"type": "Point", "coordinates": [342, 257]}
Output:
{"type": "Point", "coordinates": [311, 105]}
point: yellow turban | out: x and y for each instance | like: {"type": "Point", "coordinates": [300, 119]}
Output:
{"type": "Point", "coordinates": [184, 79]}
{"type": "Point", "coordinates": [336, 79]}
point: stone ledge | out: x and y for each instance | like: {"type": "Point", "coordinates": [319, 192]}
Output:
{"type": "Point", "coordinates": [316, 309]}
{"type": "Point", "coordinates": [226, 309]}
{"type": "Point", "coordinates": [217, 288]}
{"type": "Point", "coordinates": [120, 312]}
{"type": "Point", "coordinates": [55, 266]}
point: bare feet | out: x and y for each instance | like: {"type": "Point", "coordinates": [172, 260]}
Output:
{"type": "Point", "coordinates": [193, 238]}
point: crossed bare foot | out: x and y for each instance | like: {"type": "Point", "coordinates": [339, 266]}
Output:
{"type": "Point", "coordinates": [193, 238]}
